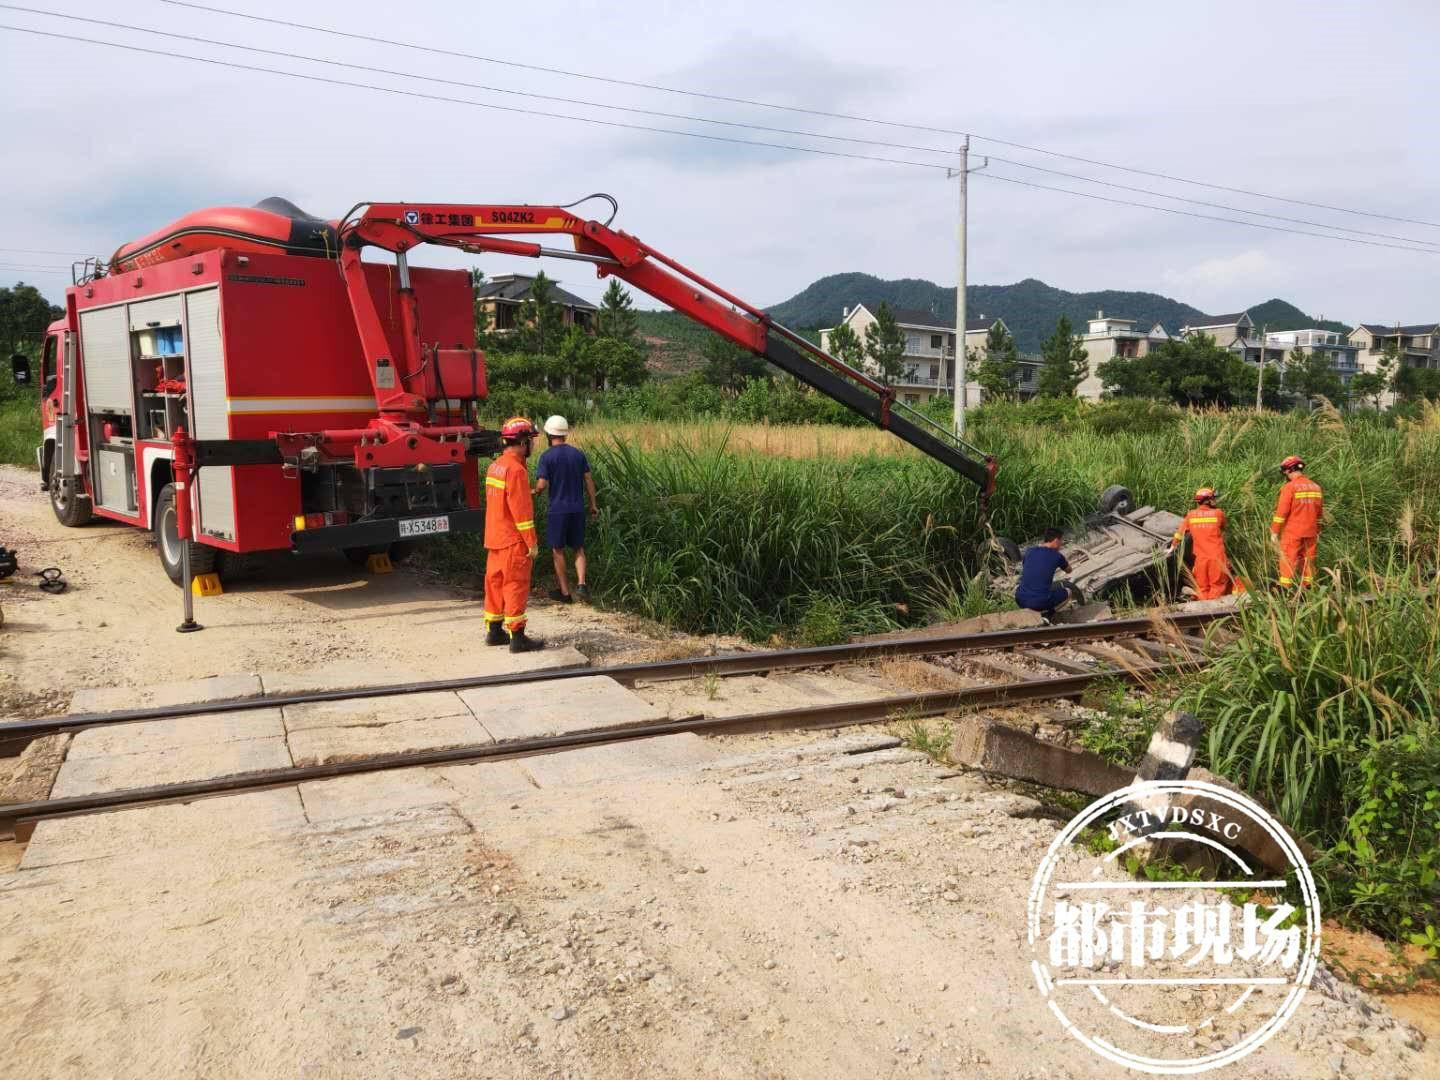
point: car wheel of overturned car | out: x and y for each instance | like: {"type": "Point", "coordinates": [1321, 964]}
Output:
{"type": "Point", "coordinates": [1008, 548]}
{"type": "Point", "coordinates": [1116, 499]}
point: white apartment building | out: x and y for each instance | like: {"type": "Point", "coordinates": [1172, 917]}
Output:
{"type": "Point", "coordinates": [929, 350]}
{"type": "Point", "coordinates": [1109, 336]}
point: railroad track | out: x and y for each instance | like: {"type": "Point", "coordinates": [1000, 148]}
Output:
{"type": "Point", "coordinates": [1129, 650]}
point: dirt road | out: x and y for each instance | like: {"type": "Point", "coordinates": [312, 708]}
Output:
{"type": "Point", "coordinates": [115, 625]}
{"type": "Point", "coordinates": [799, 905]}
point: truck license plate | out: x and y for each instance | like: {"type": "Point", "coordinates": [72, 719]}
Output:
{"type": "Point", "coordinates": [424, 526]}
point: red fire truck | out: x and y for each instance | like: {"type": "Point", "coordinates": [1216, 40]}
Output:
{"type": "Point", "coordinates": [327, 401]}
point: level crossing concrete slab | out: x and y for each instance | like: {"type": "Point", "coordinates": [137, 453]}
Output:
{"type": "Point", "coordinates": [189, 692]}
{"type": "Point", "coordinates": [583, 703]}
{"type": "Point", "coordinates": [470, 658]}
{"type": "Point", "coordinates": [593, 764]}
{"type": "Point", "coordinates": [361, 796]}
{"type": "Point", "coordinates": [323, 745]}
{"type": "Point", "coordinates": [373, 711]}
{"type": "Point", "coordinates": [171, 765]}
{"type": "Point", "coordinates": [142, 830]}
{"type": "Point", "coordinates": [154, 735]}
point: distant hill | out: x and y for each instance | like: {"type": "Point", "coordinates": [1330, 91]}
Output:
{"type": "Point", "coordinates": [1282, 315]}
{"type": "Point", "coordinates": [1029, 307]}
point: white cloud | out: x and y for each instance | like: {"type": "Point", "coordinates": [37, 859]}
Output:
{"type": "Point", "coordinates": [1246, 277]}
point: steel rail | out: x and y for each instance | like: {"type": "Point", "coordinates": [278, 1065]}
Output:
{"type": "Point", "coordinates": [746, 663]}
{"type": "Point", "coordinates": [21, 818]}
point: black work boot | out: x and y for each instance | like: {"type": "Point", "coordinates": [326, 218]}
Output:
{"type": "Point", "coordinates": [497, 635]}
{"type": "Point", "coordinates": [519, 642]}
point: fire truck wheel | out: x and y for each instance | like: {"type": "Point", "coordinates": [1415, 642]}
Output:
{"type": "Point", "coordinates": [358, 555]}
{"type": "Point", "coordinates": [167, 539]}
{"type": "Point", "coordinates": [69, 510]}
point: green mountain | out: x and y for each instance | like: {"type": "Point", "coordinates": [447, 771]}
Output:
{"type": "Point", "coordinates": [1029, 307]}
{"type": "Point", "coordinates": [1282, 315]}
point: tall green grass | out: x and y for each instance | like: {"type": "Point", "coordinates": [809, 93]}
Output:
{"type": "Point", "coordinates": [19, 429]}
{"type": "Point", "coordinates": [1325, 707]}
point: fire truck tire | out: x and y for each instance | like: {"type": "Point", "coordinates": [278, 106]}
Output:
{"type": "Point", "coordinates": [69, 510]}
{"type": "Point", "coordinates": [358, 555]}
{"type": "Point", "coordinates": [202, 557]}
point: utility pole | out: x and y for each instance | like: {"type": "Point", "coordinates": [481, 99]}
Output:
{"type": "Point", "coordinates": [1260, 382]}
{"type": "Point", "coordinates": [960, 389]}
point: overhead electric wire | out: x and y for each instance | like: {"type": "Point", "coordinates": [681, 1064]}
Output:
{"type": "Point", "coordinates": [434, 50]}
{"type": "Point", "coordinates": [42, 251]}
{"type": "Point", "coordinates": [688, 134]}
{"type": "Point", "coordinates": [1192, 214]}
{"type": "Point", "coordinates": [1214, 206]}
{"type": "Point", "coordinates": [373, 70]}
{"type": "Point", "coordinates": [475, 104]}
{"type": "Point", "coordinates": [698, 119]}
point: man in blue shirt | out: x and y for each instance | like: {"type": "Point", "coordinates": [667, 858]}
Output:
{"type": "Point", "coordinates": [565, 473]}
{"type": "Point", "coordinates": [1037, 590]}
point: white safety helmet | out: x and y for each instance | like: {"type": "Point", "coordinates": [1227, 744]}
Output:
{"type": "Point", "coordinates": [557, 426]}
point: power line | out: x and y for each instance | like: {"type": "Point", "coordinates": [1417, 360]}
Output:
{"type": "Point", "coordinates": [671, 131]}
{"type": "Point", "coordinates": [680, 116]}
{"type": "Point", "coordinates": [788, 108]}
{"type": "Point", "coordinates": [475, 86]}
{"type": "Point", "coordinates": [475, 104]}
{"type": "Point", "coordinates": [42, 251]}
{"type": "Point", "coordinates": [35, 269]}
{"type": "Point", "coordinates": [1214, 206]}
{"type": "Point", "coordinates": [1203, 217]}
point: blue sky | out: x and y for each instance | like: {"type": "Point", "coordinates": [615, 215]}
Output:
{"type": "Point", "coordinates": [1326, 103]}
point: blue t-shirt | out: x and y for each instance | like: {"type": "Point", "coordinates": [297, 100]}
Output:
{"type": "Point", "coordinates": [1037, 573]}
{"type": "Point", "coordinates": [563, 467]}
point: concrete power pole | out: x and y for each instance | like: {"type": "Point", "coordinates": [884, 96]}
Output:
{"type": "Point", "coordinates": [1260, 382]}
{"type": "Point", "coordinates": [961, 387]}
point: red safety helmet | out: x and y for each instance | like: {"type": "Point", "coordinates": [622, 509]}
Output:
{"type": "Point", "coordinates": [518, 427]}
{"type": "Point", "coordinates": [1206, 493]}
{"type": "Point", "coordinates": [1294, 461]}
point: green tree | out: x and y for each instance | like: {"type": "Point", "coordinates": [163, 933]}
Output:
{"type": "Point", "coordinates": [1373, 384]}
{"type": "Point", "coordinates": [997, 368]}
{"type": "Point", "coordinates": [729, 366]}
{"type": "Point", "coordinates": [1312, 375]}
{"type": "Point", "coordinates": [616, 319]}
{"type": "Point", "coordinates": [1413, 384]}
{"type": "Point", "coordinates": [24, 315]}
{"type": "Point", "coordinates": [482, 317]}
{"type": "Point", "coordinates": [885, 344]}
{"type": "Point", "coordinates": [1064, 363]}
{"type": "Point", "coordinates": [541, 320]}
{"type": "Point", "coordinates": [845, 345]}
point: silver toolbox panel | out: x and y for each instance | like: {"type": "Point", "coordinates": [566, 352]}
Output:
{"type": "Point", "coordinates": [162, 311]}
{"type": "Point", "coordinates": [105, 346]}
{"type": "Point", "coordinates": [115, 476]}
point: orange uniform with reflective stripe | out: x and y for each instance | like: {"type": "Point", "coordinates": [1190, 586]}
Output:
{"type": "Point", "coordinates": [1298, 514]}
{"type": "Point", "coordinates": [509, 536]}
{"type": "Point", "coordinates": [509, 509]}
{"type": "Point", "coordinates": [1206, 526]}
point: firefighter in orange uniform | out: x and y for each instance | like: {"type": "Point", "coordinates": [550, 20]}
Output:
{"type": "Point", "coordinates": [1297, 521]}
{"type": "Point", "coordinates": [1206, 526]}
{"type": "Point", "coordinates": [510, 539]}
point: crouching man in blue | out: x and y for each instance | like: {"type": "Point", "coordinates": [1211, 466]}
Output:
{"type": "Point", "coordinates": [1037, 590]}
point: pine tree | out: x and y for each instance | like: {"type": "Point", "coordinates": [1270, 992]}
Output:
{"type": "Point", "coordinates": [845, 345]}
{"type": "Point", "coordinates": [1064, 364]}
{"type": "Point", "coordinates": [997, 369]}
{"type": "Point", "coordinates": [616, 318]}
{"type": "Point", "coordinates": [885, 344]}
